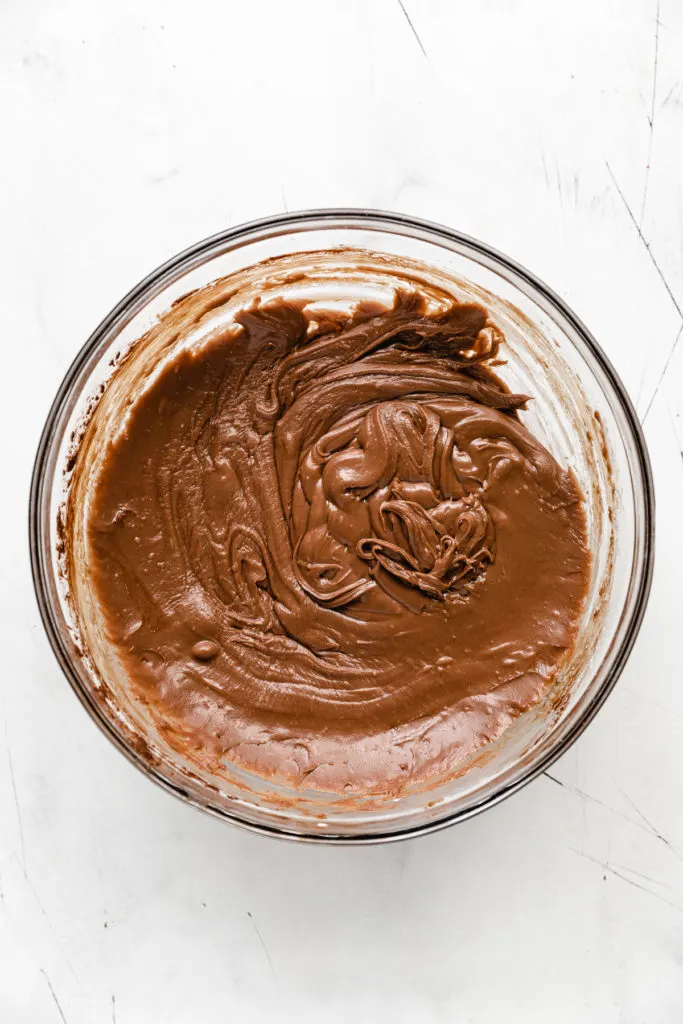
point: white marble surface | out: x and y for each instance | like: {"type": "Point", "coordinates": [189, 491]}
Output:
{"type": "Point", "coordinates": [554, 132]}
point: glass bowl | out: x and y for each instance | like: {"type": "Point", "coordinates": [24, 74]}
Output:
{"type": "Point", "coordinates": [580, 412]}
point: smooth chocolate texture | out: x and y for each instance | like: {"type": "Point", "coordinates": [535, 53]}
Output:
{"type": "Point", "coordinates": [328, 551]}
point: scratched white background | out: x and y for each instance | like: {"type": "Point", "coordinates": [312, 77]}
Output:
{"type": "Point", "coordinates": [552, 131]}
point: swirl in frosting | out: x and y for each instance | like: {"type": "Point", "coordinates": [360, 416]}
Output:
{"type": "Point", "coordinates": [327, 550]}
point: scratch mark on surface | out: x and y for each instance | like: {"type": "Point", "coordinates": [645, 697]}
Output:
{"type": "Point", "coordinates": [284, 198]}
{"type": "Point", "coordinates": [576, 189]}
{"type": "Point", "coordinates": [159, 179]}
{"type": "Point", "coordinates": [639, 874]}
{"type": "Point", "coordinates": [606, 866]}
{"type": "Point", "coordinates": [16, 803]}
{"type": "Point", "coordinates": [642, 825]}
{"type": "Point", "coordinates": [263, 947]}
{"type": "Point", "coordinates": [556, 781]}
{"type": "Point", "coordinates": [545, 170]}
{"type": "Point", "coordinates": [662, 376]}
{"type": "Point", "coordinates": [640, 385]}
{"type": "Point", "coordinates": [113, 1008]}
{"type": "Point", "coordinates": [669, 94]}
{"type": "Point", "coordinates": [413, 30]}
{"type": "Point", "coordinates": [584, 824]}
{"type": "Point", "coordinates": [645, 243]}
{"type": "Point", "coordinates": [402, 856]}
{"type": "Point", "coordinates": [559, 181]}
{"type": "Point", "coordinates": [653, 830]}
{"type": "Point", "coordinates": [370, 52]}
{"type": "Point", "coordinates": [639, 90]}
{"type": "Point", "coordinates": [56, 937]}
{"type": "Point", "coordinates": [651, 118]}
{"type": "Point", "coordinates": [597, 200]}
{"type": "Point", "coordinates": [651, 701]}
{"type": "Point", "coordinates": [54, 995]}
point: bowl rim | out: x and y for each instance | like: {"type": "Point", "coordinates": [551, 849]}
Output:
{"type": "Point", "coordinates": [291, 223]}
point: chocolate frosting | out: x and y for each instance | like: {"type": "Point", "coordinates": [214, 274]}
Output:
{"type": "Point", "coordinates": [327, 550]}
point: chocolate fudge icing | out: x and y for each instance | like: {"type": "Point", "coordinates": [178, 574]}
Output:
{"type": "Point", "coordinates": [327, 550]}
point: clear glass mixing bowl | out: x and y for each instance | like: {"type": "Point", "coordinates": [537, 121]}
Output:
{"type": "Point", "coordinates": [580, 412]}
